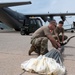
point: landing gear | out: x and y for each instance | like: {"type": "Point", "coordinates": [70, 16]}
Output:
{"type": "Point", "coordinates": [72, 31]}
{"type": "Point", "coordinates": [23, 31]}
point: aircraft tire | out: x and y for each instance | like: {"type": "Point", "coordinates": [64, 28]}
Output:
{"type": "Point", "coordinates": [22, 32]}
{"type": "Point", "coordinates": [72, 31]}
{"type": "Point", "coordinates": [27, 33]}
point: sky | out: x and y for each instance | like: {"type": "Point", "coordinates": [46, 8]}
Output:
{"type": "Point", "coordinates": [45, 6]}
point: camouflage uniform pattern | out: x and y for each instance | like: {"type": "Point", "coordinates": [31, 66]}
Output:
{"type": "Point", "coordinates": [39, 40]}
{"type": "Point", "coordinates": [60, 37]}
{"type": "Point", "coordinates": [39, 45]}
{"type": "Point", "coordinates": [58, 31]}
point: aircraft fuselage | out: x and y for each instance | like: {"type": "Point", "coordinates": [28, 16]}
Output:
{"type": "Point", "coordinates": [11, 18]}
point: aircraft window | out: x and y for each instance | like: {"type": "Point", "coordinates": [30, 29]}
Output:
{"type": "Point", "coordinates": [32, 21]}
{"type": "Point", "coordinates": [39, 22]}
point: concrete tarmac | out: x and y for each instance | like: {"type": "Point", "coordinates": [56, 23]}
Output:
{"type": "Point", "coordinates": [14, 50]}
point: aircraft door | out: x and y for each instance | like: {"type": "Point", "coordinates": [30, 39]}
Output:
{"type": "Point", "coordinates": [32, 26]}
{"type": "Point", "coordinates": [25, 27]}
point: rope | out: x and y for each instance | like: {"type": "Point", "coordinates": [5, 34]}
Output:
{"type": "Point", "coordinates": [23, 72]}
{"type": "Point", "coordinates": [62, 44]}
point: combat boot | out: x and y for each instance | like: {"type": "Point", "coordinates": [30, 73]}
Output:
{"type": "Point", "coordinates": [37, 50]}
{"type": "Point", "coordinates": [32, 48]}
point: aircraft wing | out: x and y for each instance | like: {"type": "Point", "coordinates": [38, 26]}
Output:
{"type": "Point", "coordinates": [2, 5]}
{"type": "Point", "coordinates": [52, 14]}
{"type": "Point", "coordinates": [49, 16]}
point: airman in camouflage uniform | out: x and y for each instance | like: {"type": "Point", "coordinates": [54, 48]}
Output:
{"type": "Point", "coordinates": [59, 33]}
{"type": "Point", "coordinates": [39, 39]}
